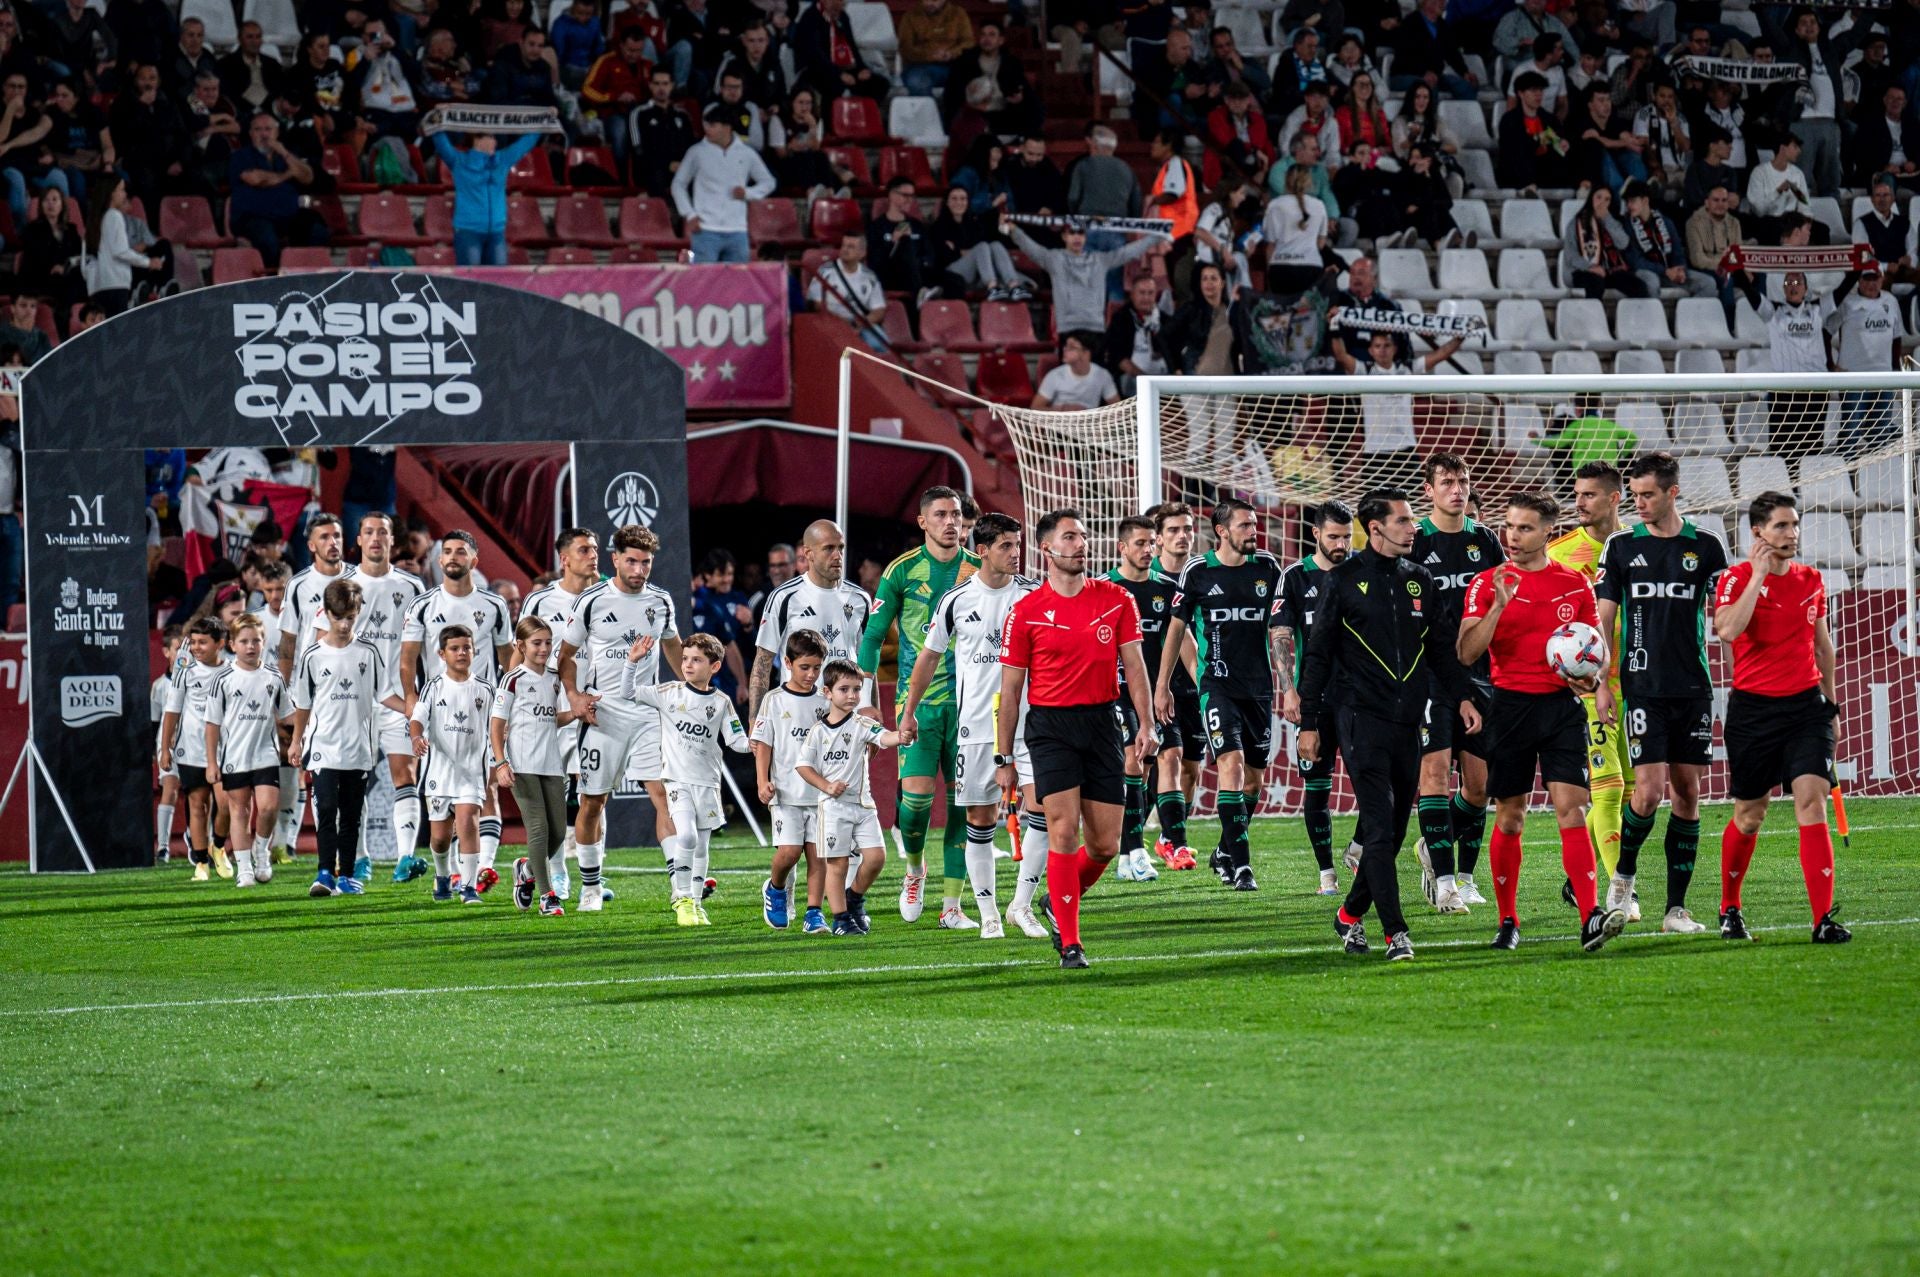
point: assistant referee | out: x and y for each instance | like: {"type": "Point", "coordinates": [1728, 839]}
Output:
{"type": "Point", "coordinates": [1063, 649]}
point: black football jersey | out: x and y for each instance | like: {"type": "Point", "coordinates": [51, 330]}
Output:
{"type": "Point", "coordinates": [1154, 597]}
{"type": "Point", "coordinates": [1455, 558]}
{"type": "Point", "coordinates": [1300, 590]}
{"type": "Point", "coordinates": [1661, 586]}
{"type": "Point", "coordinates": [1230, 610]}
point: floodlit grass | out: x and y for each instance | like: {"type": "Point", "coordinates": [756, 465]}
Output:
{"type": "Point", "coordinates": [205, 1080]}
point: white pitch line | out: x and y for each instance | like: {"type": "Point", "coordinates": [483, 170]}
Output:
{"type": "Point", "coordinates": [703, 977]}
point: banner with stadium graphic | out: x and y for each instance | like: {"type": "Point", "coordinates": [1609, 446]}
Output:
{"type": "Point", "coordinates": [726, 326]}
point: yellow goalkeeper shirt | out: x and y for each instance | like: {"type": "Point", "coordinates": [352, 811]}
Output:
{"type": "Point", "coordinates": [1581, 551]}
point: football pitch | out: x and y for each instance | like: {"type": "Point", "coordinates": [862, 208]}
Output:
{"type": "Point", "coordinates": [205, 1080]}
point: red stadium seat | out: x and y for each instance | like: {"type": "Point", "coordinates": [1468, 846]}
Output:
{"type": "Point", "coordinates": [948, 325]}
{"type": "Point", "coordinates": [911, 162]}
{"type": "Point", "coordinates": [524, 223]}
{"type": "Point", "coordinates": [388, 218]}
{"type": "Point", "coordinates": [339, 162]}
{"type": "Point", "coordinates": [232, 264]}
{"type": "Point", "coordinates": [856, 119]}
{"type": "Point", "coordinates": [333, 214]}
{"type": "Point", "coordinates": [187, 222]}
{"type": "Point", "coordinates": [644, 220]}
{"type": "Point", "coordinates": [293, 261]}
{"type": "Point", "coordinates": [436, 218]}
{"type": "Point", "coordinates": [854, 160]}
{"type": "Point", "coordinates": [435, 255]}
{"type": "Point", "coordinates": [773, 221]}
{"type": "Point", "coordinates": [990, 433]}
{"type": "Point", "coordinates": [831, 216]}
{"type": "Point", "coordinates": [631, 254]}
{"type": "Point", "coordinates": [600, 157]}
{"type": "Point", "coordinates": [533, 174]}
{"type": "Point", "coordinates": [897, 328]}
{"type": "Point", "coordinates": [582, 219]}
{"type": "Point", "coordinates": [1005, 378]}
{"type": "Point", "coordinates": [945, 369]}
{"type": "Point", "coordinates": [426, 185]}
{"type": "Point", "coordinates": [517, 255]}
{"type": "Point", "coordinates": [1009, 326]}
{"type": "Point", "coordinates": [570, 255]}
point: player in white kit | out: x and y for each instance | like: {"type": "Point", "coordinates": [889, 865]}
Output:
{"type": "Point", "coordinates": [172, 641]}
{"type": "Point", "coordinates": [820, 599]}
{"type": "Point", "coordinates": [610, 618]}
{"type": "Point", "coordinates": [305, 601]}
{"type": "Point", "coordinates": [245, 708]}
{"type": "Point", "coordinates": [578, 551]}
{"type": "Point", "coordinates": [786, 718]}
{"type": "Point", "coordinates": [450, 724]}
{"type": "Point", "coordinates": [971, 619]}
{"type": "Point", "coordinates": [697, 721]}
{"type": "Point", "coordinates": [183, 739]}
{"type": "Point", "coordinates": [834, 762]}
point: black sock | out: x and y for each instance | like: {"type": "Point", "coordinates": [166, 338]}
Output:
{"type": "Point", "coordinates": [1172, 805]}
{"type": "Point", "coordinates": [1132, 831]}
{"type": "Point", "coordinates": [1683, 844]}
{"type": "Point", "coordinates": [856, 900]}
{"type": "Point", "coordinates": [1233, 826]}
{"type": "Point", "coordinates": [1634, 830]}
{"type": "Point", "coordinates": [1314, 809]}
{"type": "Point", "coordinates": [1436, 826]}
{"type": "Point", "coordinates": [1469, 827]}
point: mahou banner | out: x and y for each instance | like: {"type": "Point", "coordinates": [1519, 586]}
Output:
{"type": "Point", "coordinates": [726, 326]}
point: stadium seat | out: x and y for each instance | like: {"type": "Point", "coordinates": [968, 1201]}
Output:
{"type": "Point", "coordinates": [991, 434]}
{"type": "Point", "coordinates": [1468, 122]}
{"type": "Point", "coordinates": [1763, 474]}
{"type": "Point", "coordinates": [1577, 363]}
{"type": "Point", "coordinates": [1715, 524]}
{"type": "Point", "coordinates": [1249, 31]}
{"type": "Point", "coordinates": [831, 216]}
{"type": "Point", "coordinates": [1471, 215]}
{"type": "Point", "coordinates": [1826, 540]}
{"type": "Point", "coordinates": [436, 218]}
{"type": "Point", "coordinates": [1003, 377]}
{"type": "Point", "coordinates": [1521, 323]}
{"type": "Point", "coordinates": [946, 369]}
{"type": "Point", "coordinates": [186, 221]}
{"type": "Point", "coordinates": [1826, 483]}
{"type": "Point", "coordinates": [873, 28]}
{"type": "Point", "coordinates": [1885, 538]}
{"type": "Point", "coordinates": [909, 162]}
{"type": "Point", "coordinates": [1648, 423]}
{"type": "Point", "coordinates": [1581, 322]}
{"type": "Point", "coordinates": [1464, 306]}
{"type": "Point", "coordinates": [1646, 319]}
{"type": "Point", "coordinates": [1749, 359]}
{"type": "Point", "coordinates": [898, 329]}
{"type": "Point", "coordinates": [1690, 359]}
{"type": "Point", "coordinates": [1525, 223]}
{"type": "Point", "coordinates": [533, 174]}
{"type": "Point", "coordinates": [854, 160]}
{"type": "Point", "coordinates": [1704, 480]}
{"type": "Point", "coordinates": [774, 221]}
{"type": "Point", "coordinates": [1518, 363]}
{"type": "Point", "coordinates": [1884, 577]}
{"type": "Point", "coordinates": [855, 119]}
{"type": "Point", "coordinates": [1747, 324]}
{"type": "Point", "coordinates": [1523, 272]}
{"type": "Point", "coordinates": [1462, 363]}
{"type": "Point", "coordinates": [1463, 272]}
{"type": "Point", "coordinates": [1826, 211]}
{"type": "Point", "coordinates": [1834, 580]}
{"type": "Point", "coordinates": [1522, 424]}
{"type": "Point", "coordinates": [1009, 326]}
{"type": "Point", "coordinates": [1403, 273]}
{"type": "Point", "coordinates": [599, 157]}
{"type": "Point", "coordinates": [1634, 363]}
{"type": "Point", "coordinates": [1751, 429]}
{"type": "Point", "coordinates": [1112, 82]}
{"type": "Point", "coordinates": [279, 24]}
{"type": "Point", "coordinates": [644, 220]}
{"type": "Point", "coordinates": [389, 218]}
{"type": "Point", "coordinates": [916, 121]}
{"type": "Point", "coordinates": [948, 325]}
{"type": "Point", "coordinates": [582, 219]}
{"type": "Point", "coordinates": [1699, 428]}
{"type": "Point", "coordinates": [524, 223]}
{"type": "Point", "coordinates": [232, 264]}
{"type": "Point", "coordinates": [570, 255]}
{"type": "Point", "coordinates": [1477, 165]}
{"type": "Point", "coordinates": [440, 255]}
{"type": "Point", "coordinates": [1701, 321]}
{"type": "Point", "coordinates": [1880, 484]}
{"type": "Point", "coordinates": [301, 257]}
{"type": "Point", "coordinates": [341, 164]}
{"type": "Point", "coordinates": [223, 33]}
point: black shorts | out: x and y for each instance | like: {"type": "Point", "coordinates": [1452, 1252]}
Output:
{"type": "Point", "coordinates": [1329, 751]}
{"type": "Point", "coordinates": [248, 780]}
{"type": "Point", "coordinates": [1188, 728]}
{"type": "Point", "coordinates": [1238, 723]}
{"type": "Point", "coordinates": [1670, 729]}
{"type": "Point", "coordinates": [1166, 735]}
{"type": "Point", "coordinates": [1773, 739]}
{"type": "Point", "coordinates": [192, 778]}
{"type": "Point", "coordinates": [1077, 747]}
{"type": "Point", "coordinates": [1526, 731]}
{"type": "Point", "coordinates": [1442, 728]}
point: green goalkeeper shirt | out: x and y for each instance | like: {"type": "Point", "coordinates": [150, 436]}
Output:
{"type": "Point", "coordinates": [1593, 439]}
{"type": "Point", "coordinates": [910, 589]}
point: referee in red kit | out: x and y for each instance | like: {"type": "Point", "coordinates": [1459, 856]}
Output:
{"type": "Point", "coordinates": [1064, 646]}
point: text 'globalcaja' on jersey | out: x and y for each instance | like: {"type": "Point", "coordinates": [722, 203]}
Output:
{"type": "Point", "coordinates": [604, 627]}
{"type": "Point", "coordinates": [1154, 597]}
{"type": "Point", "coordinates": [1230, 610]}
{"type": "Point", "coordinates": [1455, 558]}
{"type": "Point", "coordinates": [1661, 586]}
{"type": "Point", "coordinates": [837, 614]}
{"type": "Point", "coordinates": [971, 624]}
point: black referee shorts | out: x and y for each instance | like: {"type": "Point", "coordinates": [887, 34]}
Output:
{"type": "Point", "coordinates": [1771, 740]}
{"type": "Point", "coordinates": [1077, 747]}
{"type": "Point", "coordinates": [1526, 731]}
{"type": "Point", "coordinates": [1238, 724]}
{"type": "Point", "coordinates": [1670, 729]}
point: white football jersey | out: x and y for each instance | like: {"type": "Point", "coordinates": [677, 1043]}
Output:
{"type": "Point", "coordinates": [249, 706]}
{"type": "Point", "coordinates": [338, 687]}
{"type": "Point", "coordinates": [157, 698]}
{"type": "Point", "coordinates": [555, 606]}
{"type": "Point", "coordinates": [838, 751]}
{"type": "Point", "coordinates": [455, 716]}
{"type": "Point", "coordinates": [384, 601]}
{"type": "Point", "coordinates": [191, 685]}
{"type": "Point", "coordinates": [605, 625]}
{"type": "Point", "coordinates": [694, 727]}
{"type": "Point", "coordinates": [482, 611]}
{"type": "Point", "coordinates": [838, 615]}
{"type": "Point", "coordinates": [530, 702]}
{"type": "Point", "coordinates": [305, 600]}
{"type": "Point", "coordinates": [786, 719]}
{"type": "Point", "coordinates": [972, 619]}
{"type": "Point", "coordinates": [270, 648]}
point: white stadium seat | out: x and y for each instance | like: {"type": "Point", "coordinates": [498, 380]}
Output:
{"type": "Point", "coordinates": [1689, 359]}
{"type": "Point", "coordinates": [1464, 306]}
{"type": "Point", "coordinates": [1521, 323]}
{"type": "Point", "coordinates": [1524, 271]}
{"type": "Point", "coordinates": [1526, 223]}
{"type": "Point", "coordinates": [1637, 362]}
{"type": "Point", "coordinates": [1646, 319]}
{"type": "Point", "coordinates": [1582, 322]}
{"type": "Point", "coordinates": [1463, 272]}
{"type": "Point", "coordinates": [1403, 273]}
{"type": "Point", "coordinates": [1477, 165]}
{"type": "Point", "coordinates": [1468, 123]}
{"type": "Point", "coordinates": [1752, 359]}
{"type": "Point", "coordinates": [1463, 363]}
{"type": "Point", "coordinates": [1648, 423]}
{"type": "Point", "coordinates": [1518, 363]}
{"type": "Point", "coordinates": [1884, 577]}
{"type": "Point", "coordinates": [1703, 483]}
{"type": "Point", "coordinates": [1826, 541]}
{"type": "Point", "coordinates": [1249, 31]}
{"type": "Point", "coordinates": [873, 28]}
{"type": "Point", "coordinates": [1712, 523]}
{"type": "Point", "coordinates": [1885, 538]}
{"type": "Point", "coordinates": [916, 121]}
{"type": "Point", "coordinates": [1835, 581]}
{"type": "Point", "coordinates": [1747, 324]}
{"type": "Point", "coordinates": [1826, 211]}
{"type": "Point", "coordinates": [1524, 426]}
{"type": "Point", "coordinates": [1763, 474]}
{"type": "Point", "coordinates": [1880, 484]}
{"type": "Point", "coordinates": [1698, 427]}
{"type": "Point", "coordinates": [1472, 215]}
{"type": "Point", "coordinates": [223, 33]}
{"type": "Point", "coordinates": [279, 25]}
{"type": "Point", "coordinates": [1576, 363]}
{"type": "Point", "coordinates": [1751, 430]}
{"type": "Point", "coordinates": [1827, 484]}
{"type": "Point", "coordinates": [1700, 321]}
{"type": "Point", "coordinates": [1113, 82]}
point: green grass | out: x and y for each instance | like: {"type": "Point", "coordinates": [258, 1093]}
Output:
{"type": "Point", "coordinates": [1223, 1092]}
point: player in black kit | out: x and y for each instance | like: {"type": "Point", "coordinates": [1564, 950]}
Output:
{"type": "Point", "coordinates": [1153, 596]}
{"type": "Point", "coordinates": [1177, 770]}
{"type": "Point", "coordinates": [1455, 549]}
{"type": "Point", "coordinates": [1332, 528]}
{"type": "Point", "coordinates": [1230, 599]}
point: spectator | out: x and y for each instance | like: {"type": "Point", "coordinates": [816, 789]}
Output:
{"type": "Point", "coordinates": [22, 329]}
{"type": "Point", "coordinates": [49, 263]}
{"type": "Point", "coordinates": [1075, 23]}
{"type": "Point", "coordinates": [1426, 200]}
{"type": "Point", "coordinates": [826, 54]}
{"type": "Point", "coordinates": [898, 244]}
{"type": "Point", "coordinates": [503, 28]}
{"type": "Point", "coordinates": [1014, 105]}
{"type": "Point", "coordinates": [524, 74]}
{"type": "Point", "coordinates": [758, 65]}
{"type": "Point", "coordinates": [615, 87]}
{"type": "Point", "coordinates": [1175, 194]}
{"type": "Point", "coordinates": [1885, 133]}
{"type": "Point", "coordinates": [1711, 231]}
{"type": "Point", "coordinates": [1544, 61]}
{"type": "Point", "coordinates": [1427, 50]}
{"type": "Point", "coordinates": [1884, 229]}
{"type": "Point", "coordinates": [1204, 336]}
{"type": "Point", "coordinates": [1710, 168]}
{"type": "Point", "coordinates": [1136, 343]}
{"type": "Point", "coordinates": [1515, 34]}
{"type": "Point", "coordinates": [1218, 231]}
{"type": "Point", "coordinates": [216, 128]}
{"type": "Point", "coordinates": [1102, 184]}
{"type": "Point", "coordinates": [1362, 293]}
{"type": "Point", "coordinates": [1362, 119]}
{"type": "Point", "coordinates": [1607, 153]}
{"type": "Point", "coordinates": [1815, 113]}
{"type": "Point", "coordinates": [319, 89]}
{"type": "Point", "coordinates": [719, 611]}
{"type": "Point", "coordinates": [79, 139]}
{"type": "Point", "coordinates": [1723, 110]}
{"type": "Point", "coordinates": [782, 566]}
{"type": "Point", "coordinates": [1238, 131]}
{"type": "Point", "coordinates": [1314, 118]}
{"type": "Point", "coordinates": [1593, 250]}
{"type": "Point", "coordinates": [189, 60]}
{"type": "Point", "coordinates": [1867, 330]}
{"type": "Point", "coordinates": [250, 75]}
{"type": "Point", "coordinates": [1225, 66]}
{"type": "Point", "coordinates": [749, 125]}
{"type": "Point", "coordinates": [577, 42]}
{"type": "Point", "coordinates": [386, 81]}
{"type": "Point", "coordinates": [797, 143]}
{"type": "Point", "coordinates": [1078, 383]}
{"type": "Point", "coordinates": [1033, 183]}
{"type": "Point", "coordinates": [972, 121]}
{"type": "Point", "coordinates": [1797, 342]}
{"type": "Point", "coordinates": [715, 180]}
{"type": "Point", "coordinates": [83, 43]}
{"type": "Point", "coordinates": [969, 254]}
{"type": "Point", "coordinates": [1656, 253]}
{"type": "Point", "coordinates": [1295, 230]}
{"type": "Point", "coordinates": [695, 44]}
{"type": "Point", "coordinates": [115, 270]}
{"type": "Point", "coordinates": [1587, 434]}
{"type": "Point", "coordinates": [1419, 121]}
{"type": "Point", "coordinates": [445, 73]}
{"type": "Point", "coordinates": [984, 175]}
{"type": "Point", "coordinates": [23, 132]}
{"type": "Point", "coordinates": [1181, 84]}
{"type": "Point", "coordinates": [658, 136]}
{"type": "Point", "coordinates": [1078, 276]}
{"type": "Point", "coordinates": [1149, 27]}
{"type": "Point", "coordinates": [1349, 60]}
{"type": "Point", "coordinates": [265, 206]}
{"type": "Point", "coordinates": [1371, 194]}
{"type": "Point", "coordinates": [1304, 153]}
{"type": "Point", "coordinates": [479, 176]}
{"type": "Point", "coordinates": [932, 37]}
{"type": "Point", "coordinates": [1665, 146]}
{"type": "Point", "coordinates": [1531, 153]}
{"type": "Point", "coordinates": [1776, 189]}
{"type": "Point", "coordinates": [1298, 67]}
{"type": "Point", "coordinates": [845, 288]}
{"type": "Point", "coordinates": [1384, 359]}
{"type": "Point", "coordinates": [1631, 83]}
{"type": "Point", "coordinates": [1871, 77]}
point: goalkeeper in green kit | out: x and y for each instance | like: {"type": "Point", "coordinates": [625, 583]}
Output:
{"type": "Point", "coordinates": [909, 591]}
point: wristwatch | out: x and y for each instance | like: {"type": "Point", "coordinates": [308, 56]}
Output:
{"type": "Point", "coordinates": [1003, 760]}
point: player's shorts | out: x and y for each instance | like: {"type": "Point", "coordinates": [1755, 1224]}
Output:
{"type": "Point", "coordinates": [391, 725]}
{"type": "Point", "coordinates": [644, 761]}
{"type": "Point", "coordinates": [1442, 728]}
{"type": "Point", "coordinates": [250, 779]}
{"type": "Point", "coordinates": [1771, 740]}
{"type": "Point", "coordinates": [795, 824]}
{"type": "Point", "coordinates": [444, 789]}
{"type": "Point", "coordinates": [695, 806]}
{"type": "Point", "coordinates": [168, 765]}
{"type": "Point", "coordinates": [936, 748]}
{"type": "Point", "coordinates": [1188, 730]}
{"type": "Point", "coordinates": [846, 829]}
{"type": "Point", "coordinates": [1529, 731]}
{"type": "Point", "coordinates": [1607, 765]}
{"type": "Point", "coordinates": [193, 778]}
{"type": "Point", "coordinates": [1238, 724]}
{"type": "Point", "coordinates": [1670, 729]}
{"type": "Point", "coordinates": [607, 743]}
{"type": "Point", "coordinates": [976, 781]}
{"type": "Point", "coordinates": [1329, 751]}
{"type": "Point", "coordinates": [1077, 747]}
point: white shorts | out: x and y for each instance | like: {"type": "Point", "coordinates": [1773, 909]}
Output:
{"type": "Point", "coordinates": [697, 806]}
{"type": "Point", "coordinates": [168, 766]}
{"type": "Point", "coordinates": [845, 830]}
{"type": "Point", "coordinates": [390, 729]}
{"type": "Point", "coordinates": [444, 788]}
{"type": "Point", "coordinates": [794, 825]}
{"type": "Point", "coordinates": [609, 742]}
{"type": "Point", "coordinates": [975, 778]}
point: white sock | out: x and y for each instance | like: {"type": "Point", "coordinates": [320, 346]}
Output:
{"type": "Point", "coordinates": [441, 866]}
{"type": "Point", "coordinates": [489, 840]}
{"type": "Point", "coordinates": [469, 865]}
{"type": "Point", "coordinates": [1446, 881]}
{"type": "Point", "coordinates": [700, 857]}
{"type": "Point", "coordinates": [590, 854]}
{"type": "Point", "coordinates": [406, 820]}
{"type": "Point", "coordinates": [680, 866]}
{"type": "Point", "coordinates": [949, 903]}
{"type": "Point", "coordinates": [163, 828]}
{"type": "Point", "coordinates": [793, 878]}
{"type": "Point", "coordinates": [853, 866]}
{"type": "Point", "coordinates": [980, 870]}
{"type": "Point", "coordinates": [1033, 860]}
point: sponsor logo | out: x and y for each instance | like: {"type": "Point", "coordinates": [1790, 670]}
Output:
{"type": "Point", "coordinates": [1639, 561]}
{"type": "Point", "coordinates": [1215, 590]}
{"type": "Point", "coordinates": [1260, 588]}
{"type": "Point", "coordinates": [1222, 614]}
{"type": "Point", "coordinates": [1564, 611]}
{"type": "Point", "coordinates": [1690, 561]}
{"type": "Point", "coordinates": [1663, 590]}
{"type": "Point", "coordinates": [1433, 556]}
{"type": "Point", "coordinates": [1413, 588]}
{"type": "Point", "coordinates": [95, 615]}
{"type": "Point", "coordinates": [89, 698]}
{"type": "Point", "coordinates": [631, 498]}
{"type": "Point", "coordinates": [1473, 554]}
{"type": "Point", "coordinates": [1453, 581]}
{"type": "Point", "coordinates": [665, 323]}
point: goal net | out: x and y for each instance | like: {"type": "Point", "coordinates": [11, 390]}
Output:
{"type": "Point", "coordinates": [1843, 444]}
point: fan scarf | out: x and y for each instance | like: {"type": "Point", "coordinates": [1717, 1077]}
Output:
{"type": "Point", "coordinates": [1732, 71]}
{"type": "Point", "coordinates": [1400, 321]}
{"type": "Point", "coordinates": [453, 118]}
{"type": "Point", "coordinates": [1839, 257]}
{"type": "Point", "coordinates": [1122, 225]}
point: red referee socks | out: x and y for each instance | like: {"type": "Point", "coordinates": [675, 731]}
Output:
{"type": "Point", "coordinates": [1503, 852]}
{"type": "Point", "coordinates": [1816, 864]}
{"type": "Point", "coordinates": [1089, 869]}
{"type": "Point", "coordinates": [1576, 857]}
{"type": "Point", "coordinates": [1736, 853]}
{"type": "Point", "coordinates": [1068, 878]}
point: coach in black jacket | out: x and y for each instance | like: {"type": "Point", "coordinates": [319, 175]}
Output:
{"type": "Point", "coordinates": [1377, 624]}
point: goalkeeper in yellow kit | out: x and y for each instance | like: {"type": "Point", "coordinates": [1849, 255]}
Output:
{"type": "Point", "coordinates": [1596, 501]}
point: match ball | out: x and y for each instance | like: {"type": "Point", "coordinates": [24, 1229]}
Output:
{"type": "Point", "coordinates": [1575, 651]}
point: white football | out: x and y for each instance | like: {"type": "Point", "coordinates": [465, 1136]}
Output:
{"type": "Point", "coordinates": [1575, 651]}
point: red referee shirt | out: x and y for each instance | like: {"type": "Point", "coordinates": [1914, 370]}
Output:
{"type": "Point", "coordinates": [1070, 647]}
{"type": "Point", "coordinates": [1774, 655]}
{"type": "Point", "coordinates": [1548, 599]}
